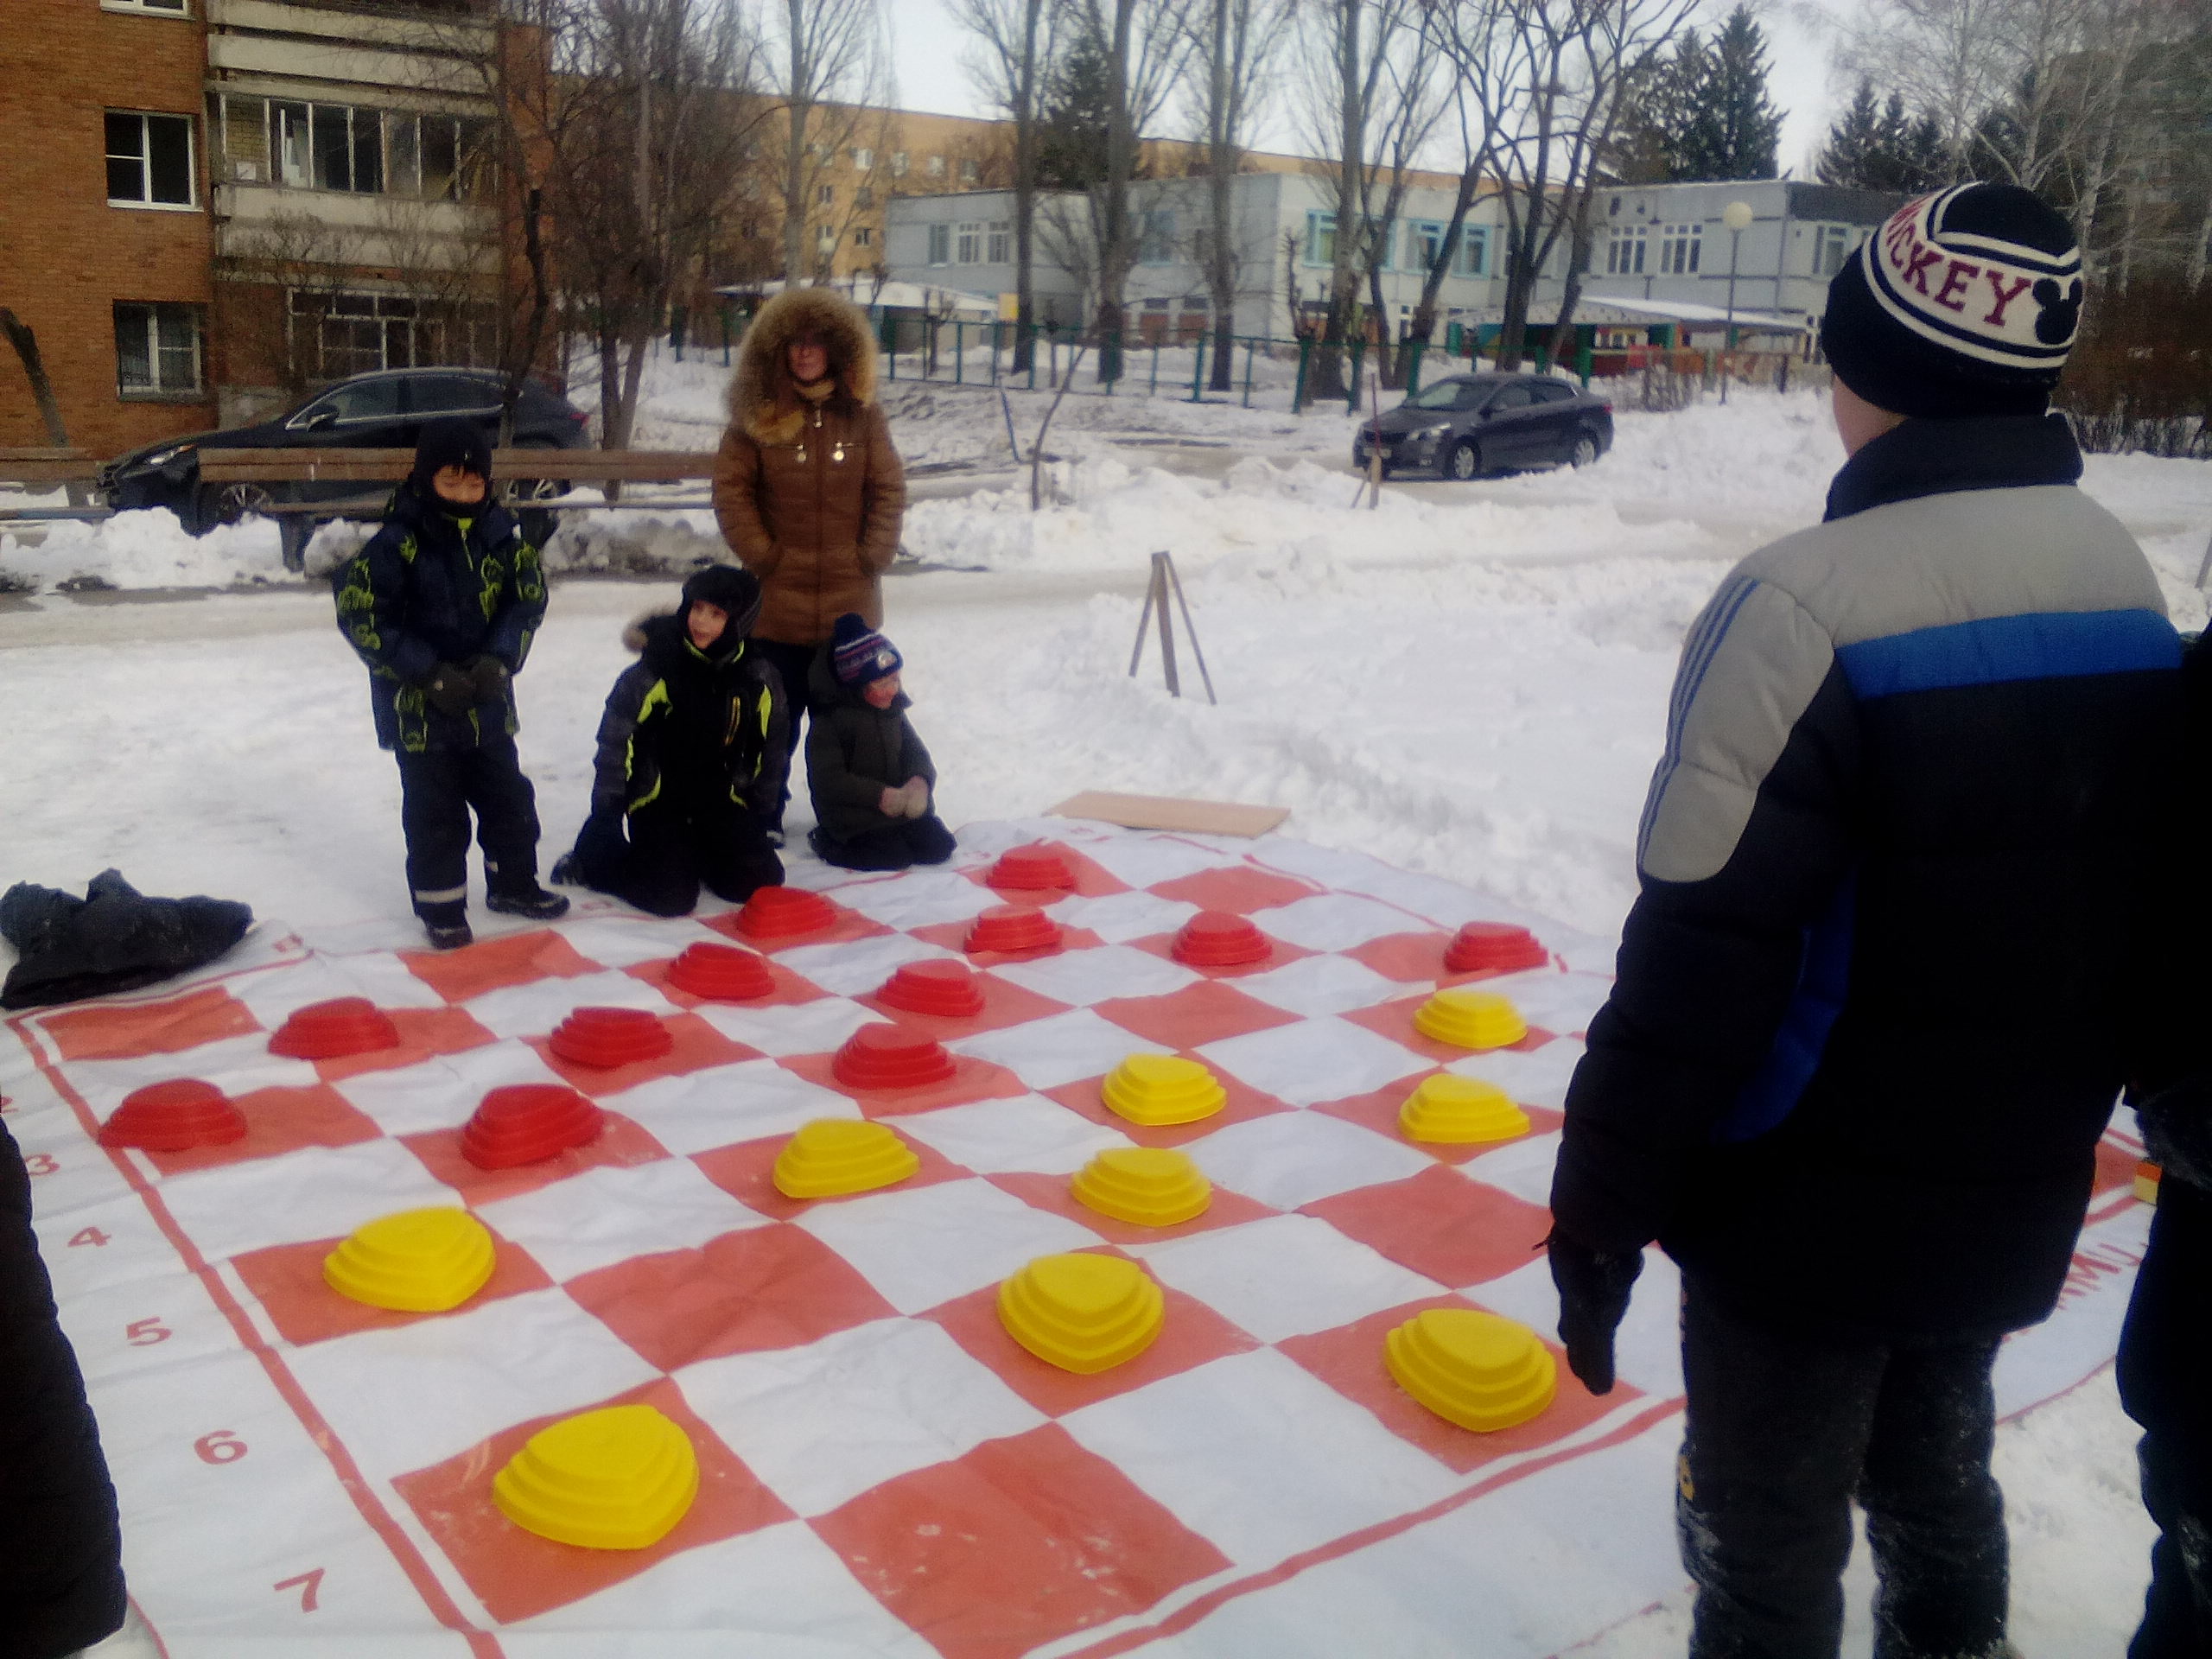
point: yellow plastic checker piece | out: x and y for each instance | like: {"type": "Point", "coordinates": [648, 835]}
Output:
{"type": "Point", "coordinates": [1150, 1186]}
{"type": "Point", "coordinates": [1082, 1313]}
{"type": "Point", "coordinates": [832, 1156]}
{"type": "Point", "coordinates": [415, 1261]}
{"type": "Point", "coordinates": [1158, 1090]}
{"type": "Point", "coordinates": [1452, 1110]}
{"type": "Point", "coordinates": [617, 1479]}
{"type": "Point", "coordinates": [1471, 1018]}
{"type": "Point", "coordinates": [1472, 1369]}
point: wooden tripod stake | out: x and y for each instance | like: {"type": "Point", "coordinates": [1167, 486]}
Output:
{"type": "Point", "coordinates": [1163, 580]}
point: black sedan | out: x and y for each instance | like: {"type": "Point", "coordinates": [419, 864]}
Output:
{"type": "Point", "coordinates": [383, 410]}
{"type": "Point", "coordinates": [1469, 424]}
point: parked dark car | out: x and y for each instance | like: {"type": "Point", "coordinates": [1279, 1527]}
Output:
{"type": "Point", "coordinates": [383, 410]}
{"type": "Point", "coordinates": [1468, 424]}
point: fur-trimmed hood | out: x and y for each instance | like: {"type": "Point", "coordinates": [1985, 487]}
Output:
{"type": "Point", "coordinates": [762, 402]}
{"type": "Point", "coordinates": [640, 628]}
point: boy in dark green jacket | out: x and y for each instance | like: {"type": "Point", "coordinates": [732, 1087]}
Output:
{"type": "Point", "coordinates": [871, 778]}
{"type": "Point", "coordinates": [441, 604]}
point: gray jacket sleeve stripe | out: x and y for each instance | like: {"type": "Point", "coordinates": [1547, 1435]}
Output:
{"type": "Point", "coordinates": [1754, 662]}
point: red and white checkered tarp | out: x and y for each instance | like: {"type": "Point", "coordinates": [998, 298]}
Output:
{"type": "Point", "coordinates": [885, 1471]}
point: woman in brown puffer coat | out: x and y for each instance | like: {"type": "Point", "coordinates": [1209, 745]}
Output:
{"type": "Point", "coordinates": [807, 488]}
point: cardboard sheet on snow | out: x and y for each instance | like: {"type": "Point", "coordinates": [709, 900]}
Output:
{"type": "Point", "coordinates": [885, 1471]}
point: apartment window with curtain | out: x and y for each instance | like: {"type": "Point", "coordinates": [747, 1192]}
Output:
{"type": "Point", "coordinates": [156, 349]}
{"type": "Point", "coordinates": [149, 160]}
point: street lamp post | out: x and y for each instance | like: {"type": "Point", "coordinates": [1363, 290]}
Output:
{"type": "Point", "coordinates": [1737, 216]}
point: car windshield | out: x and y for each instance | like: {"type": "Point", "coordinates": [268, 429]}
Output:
{"type": "Point", "coordinates": [1444, 394]}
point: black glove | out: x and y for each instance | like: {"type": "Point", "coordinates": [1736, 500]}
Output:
{"type": "Point", "coordinates": [451, 690]}
{"type": "Point", "coordinates": [1593, 1288]}
{"type": "Point", "coordinates": [491, 676]}
{"type": "Point", "coordinates": [2178, 1129]}
{"type": "Point", "coordinates": [602, 842]}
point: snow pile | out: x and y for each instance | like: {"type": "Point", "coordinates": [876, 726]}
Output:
{"type": "Point", "coordinates": [140, 550]}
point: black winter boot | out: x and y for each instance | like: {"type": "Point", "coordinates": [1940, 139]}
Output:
{"type": "Point", "coordinates": [532, 901]}
{"type": "Point", "coordinates": [447, 924]}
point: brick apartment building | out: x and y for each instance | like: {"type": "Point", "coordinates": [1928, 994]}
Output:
{"type": "Point", "coordinates": [105, 241]}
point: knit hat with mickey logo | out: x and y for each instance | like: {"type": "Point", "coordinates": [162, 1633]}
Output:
{"type": "Point", "coordinates": [1964, 303]}
{"type": "Point", "coordinates": [858, 654]}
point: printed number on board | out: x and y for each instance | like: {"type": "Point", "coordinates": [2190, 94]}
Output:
{"type": "Point", "coordinates": [88, 1235]}
{"type": "Point", "coordinates": [308, 1584]}
{"type": "Point", "coordinates": [144, 1333]}
{"type": "Point", "coordinates": [40, 1163]}
{"type": "Point", "coordinates": [222, 1446]}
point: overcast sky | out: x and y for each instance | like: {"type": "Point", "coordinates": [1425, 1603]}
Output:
{"type": "Point", "coordinates": [927, 48]}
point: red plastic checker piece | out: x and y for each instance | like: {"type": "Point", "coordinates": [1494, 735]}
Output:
{"type": "Point", "coordinates": [784, 913]}
{"type": "Point", "coordinates": [1014, 930]}
{"type": "Point", "coordinates": [891, 1057]}
{"type": "Point", "coordinates": [1494, 948]}
{"type": "Point", "coordinates": [526, 1122]}
{"type": "Point", "coordinates": [174, 1116]}
{"type": "Point", "coordinates": [1219, 938]}
{"type": "Point", "coordinates": [611, 1037]}
{"type": "Point", "coordinates": [720, 972]}
{"type": "Point", "coordinates": [939, 985]}
{"type": "Point", "coordinates": [1034, 868]}
{"type": "Point", "coordinates": [325, 1031]}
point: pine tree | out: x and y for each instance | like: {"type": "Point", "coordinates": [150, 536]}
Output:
{"type": "Point", "coordinates": [1734, 131]}
{"type": "Point", "coordinates": [1878, 147]}
{"type": "Point", "coordinates": [1659, 104]}
{"type": "Point", "coordinates": [1073, 116]}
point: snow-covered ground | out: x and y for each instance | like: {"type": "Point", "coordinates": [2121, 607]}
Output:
{"type": "Point", "coordinates": [1469, 681]}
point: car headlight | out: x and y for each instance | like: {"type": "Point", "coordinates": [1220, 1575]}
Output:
{"type": "Point", "coordinates": [1431, 433]}
{"type": "Point", "coordinates": [163, 457]}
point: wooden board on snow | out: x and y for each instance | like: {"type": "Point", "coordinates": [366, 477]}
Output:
{"type": "Point", "coordinates": [1169, 812]}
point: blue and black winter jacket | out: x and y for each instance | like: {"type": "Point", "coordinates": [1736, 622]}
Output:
{"type": "Point", "coordinates": [431, 587]}
{"type": "Point", "coordinates": [1884, 979]}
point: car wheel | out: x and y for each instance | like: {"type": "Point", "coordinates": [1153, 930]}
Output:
{"type": "Point", "coordinates": [227, 504]}
{"type": "Point", "coordinates": [1585, 450]}
{"type": "Point", "coordinates": [520, 490]}
{"type": "Point", "coordinates": [1465, 461]}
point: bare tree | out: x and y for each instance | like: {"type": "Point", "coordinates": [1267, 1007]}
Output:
{"type": "Point", "coordinates": [1144, 44]}
{"type": "Point", "coordinates": [1234, 46]}
{"type": "Point", "coordinates": [1547, 79]}
{"type": "Point", "coordinates": [1012, 42]}
{"type": "Point", "coordinates": [828, 58]}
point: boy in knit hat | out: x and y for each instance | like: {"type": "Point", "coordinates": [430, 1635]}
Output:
{"type": "Point", "coordinates": [870, 777]}
{"type": "Point", "coordinates": [441, 604]}
{"type": "Point", "coordinates": [692, 758]}
{"type": "Point", "coordinates": [1907, 812]}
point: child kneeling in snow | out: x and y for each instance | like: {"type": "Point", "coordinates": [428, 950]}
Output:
{"type": "Point", "coordinates": [870, 777]}
{"type": "Point", "coordinates": [692, 755]}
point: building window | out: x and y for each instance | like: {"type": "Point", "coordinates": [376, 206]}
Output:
{"type": "Point", "coordinates": [156, 349]}
{"type": "Point", "coordinates": [940, 244]}
{"type": "Point", "coordinates": [862, 236]}
{"type": "Point", "coordinates": [339, 334]}
{"type": "Point", "coordinates": [969, 172]}
{"type": "Point", "coordinates": [863, 159]}
{"type": "Point", "coordinates": [825, 195]}
{"type": "Point", "coordinates": [360, 151]}
{"type": "Point", "coordinates": [1832, 245]}
{"type": "Point", "coordinates": [935, 168]}
{"type": "Point", "coordinates": [165, 7]}
{"type": "Point", "coordinates": [863, 197]}
{"type": "Point", "coordinates": [1156, 244]}
{"type": "Point", "coordinates": [898, 163]}
{"type": "Point", "coordinates": [1471, 258]}
{"type": "Point", "coordinates": [968, 243]}
{"type": "Point", "coordinates": [149, 160]}
{"type": "Point", "coordinates": [1624, 251]}
{"type": "Point", "coordinates": [1424, 237]}
{"type": "Point", "coordinates": [1001, 251]}
{"type": "Point", "coordinates": [1383, 237]}
{"type": "Point", "coordinates": [1678, 250]}
{"type": "Point", "coordinates": [1321, 238]}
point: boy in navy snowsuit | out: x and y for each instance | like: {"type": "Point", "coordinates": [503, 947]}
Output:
{"type": "Point", "coordinates": [441, 604]}
{"type": "Point", "coordinates": [1900, 867]}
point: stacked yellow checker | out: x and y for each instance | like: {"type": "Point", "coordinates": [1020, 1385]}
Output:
{"type": "Point", "coordinates": [617, 1479]}
{"type": "Point", "coordinates": [1471, 1018]}
{"type": "Point", "coordinates": [1083, 1313]}
{"type": "Point", "coordinates": [1471, 1368]}
{"type": "Point", "coordinates": [414, 1261]}
{"type": "Point", "coordinates": [1451, 1110]}
{"type": "Point", "coordinates": [833, 1156]}
{"type": "Point", "coordinates": [1158, 1090]}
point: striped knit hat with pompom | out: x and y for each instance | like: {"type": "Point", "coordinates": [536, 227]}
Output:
{"type": "Point", "coordinates": [858, 654]}
{"type": "Point", "coordinates": [1964, 303]}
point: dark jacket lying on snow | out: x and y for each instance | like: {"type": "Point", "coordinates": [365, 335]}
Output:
{"type": "Point", "coordinates": [684, 728]}
{"type": "Point", "coordinates": [430, 587]}
{"type": "Point", "coordinates": [114, 938]}
{"type": "Point", "coordinates": [854, 753]}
